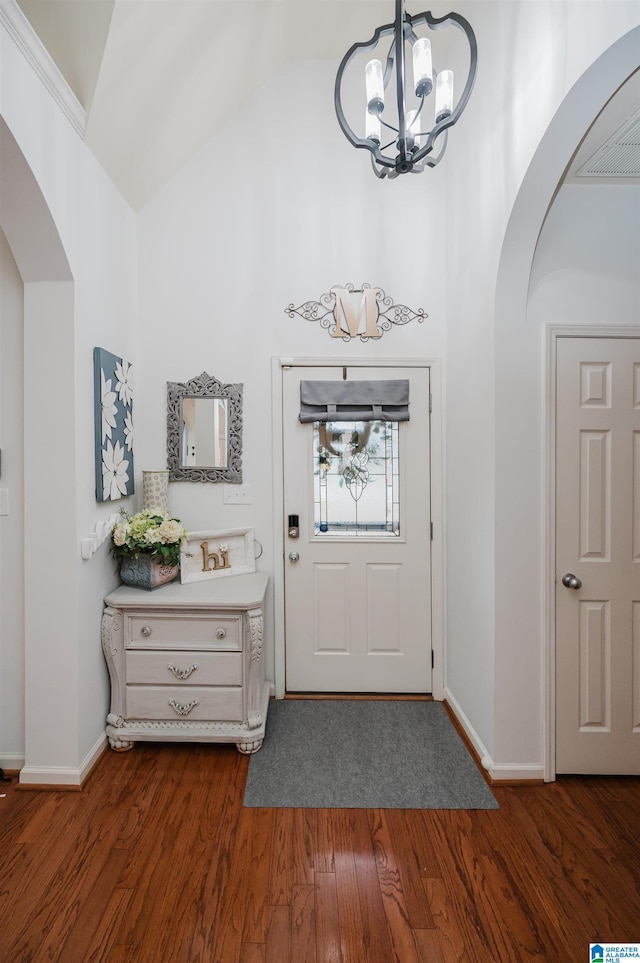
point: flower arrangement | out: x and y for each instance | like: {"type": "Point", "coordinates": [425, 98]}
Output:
{"type": "Point", "coordinates": [148, 533]}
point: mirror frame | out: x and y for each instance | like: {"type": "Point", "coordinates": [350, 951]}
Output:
{"type": "Point", "coordinates": [204, 386]}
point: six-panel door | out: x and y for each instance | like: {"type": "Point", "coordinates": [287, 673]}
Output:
{"type": "Point", "coordinates": [598, 543]}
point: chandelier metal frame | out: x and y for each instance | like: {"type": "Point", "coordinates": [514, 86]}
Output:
{"type": "Point", "coordinates": [411, 156]}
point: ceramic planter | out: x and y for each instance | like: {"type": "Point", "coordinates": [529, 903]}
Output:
{"type": "Point", "coordinates": [146, 572]}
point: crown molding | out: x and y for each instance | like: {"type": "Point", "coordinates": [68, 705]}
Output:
{"type": "Point", "coordinates": [22, 33]}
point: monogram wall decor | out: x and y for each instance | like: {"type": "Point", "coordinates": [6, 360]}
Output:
{"type": "Point", "coordinates": [348, 312]}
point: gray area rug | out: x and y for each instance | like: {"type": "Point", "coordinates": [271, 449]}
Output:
{"type": "Point", "coordinates": [356, 754]}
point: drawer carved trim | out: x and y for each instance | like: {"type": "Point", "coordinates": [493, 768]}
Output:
{"type": "Point", "coordinates": [182, 673]}
{"type": "Point", "coordinates": [111, 632]}
{"type": "Point", "coordinates": [186, 726]}
{"type": "Point", "coordinates": [254, 721]}
{"type": "Point", "coordinates": [183, 708]}
{"type": "Point", "coordinates": [255, 631]}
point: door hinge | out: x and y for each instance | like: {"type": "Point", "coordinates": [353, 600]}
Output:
{"type": "Point", "coordinates": [430, 402]}
{"type": "Point", "coordinates": [433, 663]}
{"type": "Point", "coordinates": [431, 530]}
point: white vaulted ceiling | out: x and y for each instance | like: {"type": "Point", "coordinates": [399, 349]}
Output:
{"type": "Point", "coordinates": [157, 78]}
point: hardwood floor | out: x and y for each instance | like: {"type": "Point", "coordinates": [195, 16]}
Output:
{"type": "Point", "coordinates": [157, 861]}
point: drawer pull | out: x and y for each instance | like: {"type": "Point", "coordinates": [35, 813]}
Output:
{"type": "Point", "coordinates": [182, 708]}
{"type": "Point", "coordinates": [221, 633]}
{"type": "Point", "coordinates": [182, 673]}
{"type": "Point", "coordinates": [145, 631]}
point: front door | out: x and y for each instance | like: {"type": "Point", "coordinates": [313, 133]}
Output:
{"type": "Point", "coordinates": [598, 556]}
{"type": "Point", "coordinates": [357, 577]}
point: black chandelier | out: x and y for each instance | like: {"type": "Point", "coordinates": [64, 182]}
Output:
{"type": "Point", "coordinates": [412, 147]}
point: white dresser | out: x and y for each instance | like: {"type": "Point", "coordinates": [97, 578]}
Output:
{"type": "Point", "coordinates": [186, 663]}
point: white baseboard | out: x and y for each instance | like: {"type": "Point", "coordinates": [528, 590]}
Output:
{"type": "Point", "coordinates": [63, 776]}
{"type": "Point", "coordinates": [55, 776]}
{"type": "Point", "coordinates": [498, 772]}
{"type": "Point", "coordinates": [516, 772]}
{"type": "Point", "coordinates": [12, 761]}
{"type": "Point", "coordinates": [92, 757]}
{"type": "Point", "coordinates": [470, 732]}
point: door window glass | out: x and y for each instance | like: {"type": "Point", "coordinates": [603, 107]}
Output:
{"type": "Point", "coordinates": [356, 478]}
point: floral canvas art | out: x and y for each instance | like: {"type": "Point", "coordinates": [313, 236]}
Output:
{"type": "Point", "coordinates": [113, 394]}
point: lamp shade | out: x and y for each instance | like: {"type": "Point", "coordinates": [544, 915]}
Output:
{"type": "Point", "coordinates": [155, 491]}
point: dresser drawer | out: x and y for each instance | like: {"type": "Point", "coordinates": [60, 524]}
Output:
{"type": "Point", "coordinates": [155, 702]}
{"type": "Point", "coordinates": [183, 631]}
{"type": "Point", "coordinates": [184, 667]}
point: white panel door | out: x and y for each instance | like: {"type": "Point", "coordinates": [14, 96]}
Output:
{"type": "Point", "coordinates": [358, 596]}
{"type": "Point", "coordinates": [598, 543]}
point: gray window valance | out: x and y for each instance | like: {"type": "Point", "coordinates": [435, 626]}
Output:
{"type": "Point", "coordinates": [354, 401]}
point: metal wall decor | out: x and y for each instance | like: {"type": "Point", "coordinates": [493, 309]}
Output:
{"type": "Point", "coordinates": [347, 316]}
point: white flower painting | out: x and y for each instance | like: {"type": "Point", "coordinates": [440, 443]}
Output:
{"type": "Point", "coordinates": [109, 409]}
{"type": "Point", "coordinates": [113, 389]}
{"type": "Point", "coordinates": [124, 386]}
{"type": "Point", "coordinates": [128, 431]}
{"type": "Point", "coordinates": [114, 471]}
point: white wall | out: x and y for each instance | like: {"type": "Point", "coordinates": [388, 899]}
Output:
{"type": "Point", "coordinates": [500, 184]}
{"type": "Point", "coordinates": [521, 603]}
{"type": "Point", "coordinates": [587, 264]}
{"type": "Point", "coordinates": [75, 244]}
{"type": "Point", "coordinates": [11, 525]}
{"type": "Point", "coordinates": [230, 242]}
{"type": "Point", "coordinates": [233, 240]}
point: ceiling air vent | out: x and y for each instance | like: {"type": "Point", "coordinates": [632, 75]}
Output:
{"type": "Point", "coordinates": [619, 156]}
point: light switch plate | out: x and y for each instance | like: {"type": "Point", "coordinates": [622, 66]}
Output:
{"type": "Point", "coordinates": [237, 495]}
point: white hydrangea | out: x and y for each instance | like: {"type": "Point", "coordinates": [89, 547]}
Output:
{"type": "Point", "coordinates": [120, 532]}
{"type": "Point", "coordinates": [170, 531]}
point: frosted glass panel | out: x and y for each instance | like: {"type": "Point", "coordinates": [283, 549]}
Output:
{"type": "Point", "coordinates": [356, 478]}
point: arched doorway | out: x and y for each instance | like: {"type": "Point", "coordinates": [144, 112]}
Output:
{"type": "Point", "coordinates": [515, 339]}
{"type": "Point", "coordinates": [41, 282]}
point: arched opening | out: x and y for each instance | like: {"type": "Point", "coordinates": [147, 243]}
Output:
{"type": "Point", "coordinates": [521, 465]}
{"type": "Point", "coordinates": [36, 311]}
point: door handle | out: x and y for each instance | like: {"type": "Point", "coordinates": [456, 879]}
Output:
{"type": "Point", "coordinates": [293, 556]}
{"type": "Point", "coordinates": [571, 581]}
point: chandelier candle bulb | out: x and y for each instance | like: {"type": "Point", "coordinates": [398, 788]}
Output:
{"type": "Point", "coordinates": [444, 94]}
{"type": "Point", "coordinates": [375, 86]}
{"type": "Point", "coordinates": [372, 126]}
{"type": "Point", "coordinates": [422, 67]}
{"type": "Point", "coordinates": [413, 136]}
